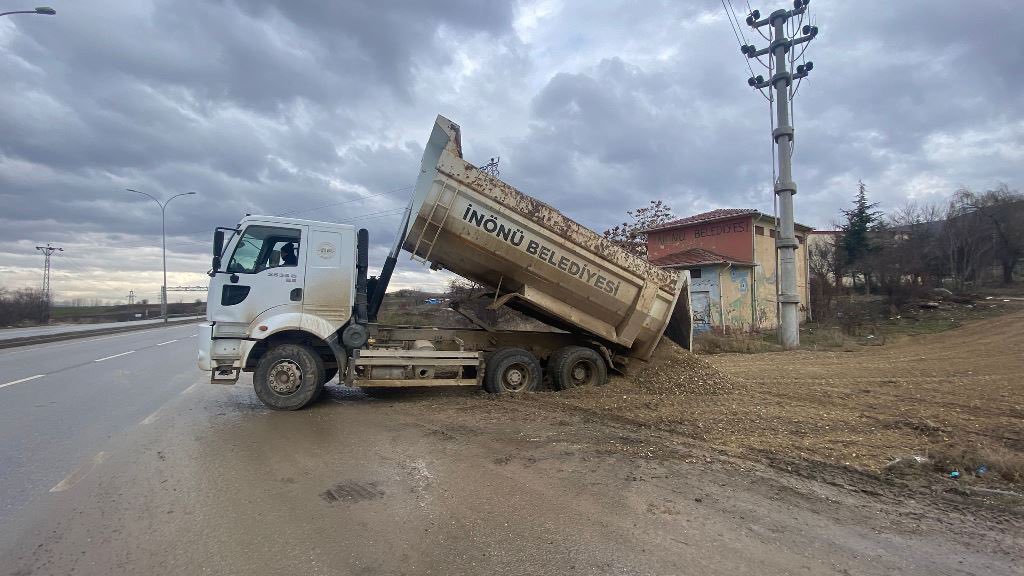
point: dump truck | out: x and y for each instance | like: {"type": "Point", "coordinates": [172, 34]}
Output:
{"type": "Point", "coordinates": [290, 300]}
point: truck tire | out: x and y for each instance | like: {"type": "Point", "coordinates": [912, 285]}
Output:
{"type": "Point", "coordinates": [512, 370]}
{"type": "Point", "coordinates": [575, 366]}
{"type": "Point", "coordinates": [288, 377]}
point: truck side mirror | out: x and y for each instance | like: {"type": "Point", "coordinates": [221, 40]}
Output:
{"type": "Point", "coordinates": [218, 249]}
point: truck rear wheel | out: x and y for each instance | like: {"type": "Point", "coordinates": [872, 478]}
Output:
{"type": "Point", "coordinates": [512, 370]}
{"type": "Point", "coordinates": [288, 377]}
{"type": "Point", "coordinates": [575, 366]}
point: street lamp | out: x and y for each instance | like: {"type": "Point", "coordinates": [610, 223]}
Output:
{"type": "Point", "coordinates": [163, 235]}
{"type": "Point", "coordinates": [44, 10]}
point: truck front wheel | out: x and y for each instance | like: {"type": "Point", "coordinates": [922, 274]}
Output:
{"type": "Point", "coordinates": [512, 370]}
{"type": "Point", "coordinates": [288, 376]}
{"type": "Point", "coordinates": [574, 366]}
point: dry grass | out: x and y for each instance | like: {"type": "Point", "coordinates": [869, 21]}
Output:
{"type": "Point", "coordinates": [968, 459]}
{"type": "Point", "coordinates": [715, 343]}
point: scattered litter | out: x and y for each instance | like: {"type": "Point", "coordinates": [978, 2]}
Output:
{"type": "Point", "coordinates": [904, 461]}
{"type": "Point", "coordinates": [981, 470]}
{"type": "Point", "coordinates": [954, 474]}
{"type": "Point", "coordinates": [930, 305]}
{"type": "Point", "coordinates": [870, 336]}
{"type": "Point", "coordinates": [988, 297]}
{"type": "Point", "coordinates": [1005, 300]}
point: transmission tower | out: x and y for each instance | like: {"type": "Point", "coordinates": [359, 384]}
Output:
{"type": "Point", "coordinates": [47, 251]}
{"type": "Point", "coordinates": [131, 297]}
{"type": "Point", "coordinates": [786, 34]}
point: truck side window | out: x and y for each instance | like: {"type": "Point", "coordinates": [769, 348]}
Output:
{"type": "Point", "coordinates": [261, 247]}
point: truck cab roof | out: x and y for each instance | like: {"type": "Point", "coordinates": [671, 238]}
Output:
{"type": "Point", "coordinates": [256, 218]}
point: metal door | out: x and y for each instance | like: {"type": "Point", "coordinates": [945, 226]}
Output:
{"type": "Point", "coordinates": [701, 309]}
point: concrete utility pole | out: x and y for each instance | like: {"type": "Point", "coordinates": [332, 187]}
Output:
{"type": "Point", "coordinates": [781, 82]}
{"type": "Point", "coordinates": [163, 236]}
{"type": "Point", "coordinates": [47, 252]}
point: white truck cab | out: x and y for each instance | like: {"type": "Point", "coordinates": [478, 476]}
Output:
{"type": "Point", "coordinates": [277, 279]}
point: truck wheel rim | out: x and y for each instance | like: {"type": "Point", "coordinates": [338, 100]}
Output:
{"type": "Point", "coordinates": [516, 377]}
{"type": "Point", "coordinates": [285, 377]}
{"type": "Point", "coordinates": [582, 373]}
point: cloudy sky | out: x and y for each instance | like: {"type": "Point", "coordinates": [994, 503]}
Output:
{"type": "Point", "coordinates": [320, 109]}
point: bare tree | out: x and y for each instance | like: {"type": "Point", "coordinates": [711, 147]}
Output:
{"type": "Point", "coordinates": [964, 242]}
{"type": "Point", "coordinates": [23, 306]}
{"type": "Point", "coordinates": [1001, 212]}
{"type": "Point", "coordinates": [632, 236]}
{"type": "Point", "coordinates": [912, 251]}
{"type": "Point", "coordinates": [826, 267]}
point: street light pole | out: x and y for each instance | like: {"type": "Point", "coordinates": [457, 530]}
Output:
{"type": "Point", "coordinates": [163, 243]}
{"type": "Point", "coordinates": [44, 10]}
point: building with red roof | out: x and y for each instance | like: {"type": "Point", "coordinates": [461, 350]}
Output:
{"type": "Point", "coordinates": [730, 254]}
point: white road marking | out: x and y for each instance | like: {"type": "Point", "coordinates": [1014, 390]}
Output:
{"type": "Point", "coordinates": [168, 342]}
{"type": "Point", "coordinates": [114, 356]}
{"type": "Point", "coordinates": [22, 380]}
{"type": "Point", "coordinates": [193, 336]}
{"type": "Point", "coordinates": [79, 473]}
{"type": "Point", "coordinates": [151, 418]}
{"type": "Point", "coordinates": [191, 388]}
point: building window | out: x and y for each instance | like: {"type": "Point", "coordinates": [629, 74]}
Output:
{"type": "Point", "coordinates": [695, 273]}
{"type": "Point", "coordinates": [771, 233]}
{"type": "Point", "coordinates": [759, 230]}
{"type": "Point", "coordinates": [800, 239]}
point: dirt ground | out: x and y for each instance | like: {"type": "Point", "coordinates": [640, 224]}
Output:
{"type": "Point", "coordinates": [732, 464]}
{"type": "Point", "coordinates": [953, 399]}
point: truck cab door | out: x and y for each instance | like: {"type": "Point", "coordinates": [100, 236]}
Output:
{"type": "Point", "coordinates": [330, 288]}
{"type": "Point", "coordinates": [266, 270]}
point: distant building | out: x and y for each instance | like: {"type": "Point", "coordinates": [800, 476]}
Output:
{"type": "Point", "coordinates": [731, 256]}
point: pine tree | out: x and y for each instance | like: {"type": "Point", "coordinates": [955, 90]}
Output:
{"type": "Point", "coordinates": [855, 243]}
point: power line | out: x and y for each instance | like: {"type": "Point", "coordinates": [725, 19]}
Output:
{"type": "Point", "coordinates": [332, 204]}
{"type": "Point", "coordinates": [372, 215]}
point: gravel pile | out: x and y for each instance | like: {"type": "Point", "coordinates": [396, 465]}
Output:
{"type": "Point", "coordinates": [673, 370]}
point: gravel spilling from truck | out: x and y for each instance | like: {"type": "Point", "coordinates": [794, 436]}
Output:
{"type": "Point", "coordinates": [673, 370]}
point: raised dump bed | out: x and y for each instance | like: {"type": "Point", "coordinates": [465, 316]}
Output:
{"type": "Point", "coordinates": [536, 259]}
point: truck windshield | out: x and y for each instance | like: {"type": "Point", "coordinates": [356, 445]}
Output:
{"type": "Point", "coordinates": [262, 247]}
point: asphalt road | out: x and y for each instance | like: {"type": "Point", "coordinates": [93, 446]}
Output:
{"type": "Point", "coordinates": [59, 402]}
{"type": "Point", "coordinates": [121, 459]}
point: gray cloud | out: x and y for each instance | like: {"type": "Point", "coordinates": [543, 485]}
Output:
{"type": "Point", "coordinates": [320, 109]}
